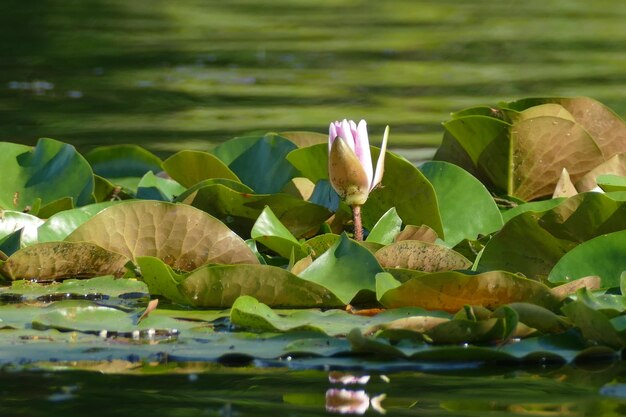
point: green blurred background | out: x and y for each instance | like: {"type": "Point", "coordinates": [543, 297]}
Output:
{"type": "Point", "coordinates": [181, 74]}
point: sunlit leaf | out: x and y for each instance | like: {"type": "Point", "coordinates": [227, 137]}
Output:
{"type": "Point", "coordinates": [190, 167]}
{"type": "Point", "coordinates": [60, 260]}
{"type": "Point", "coordinates": [240, 209]}
{"type": "Point", "coordinates": [386, 229]}
{"type": "Point", "coordinates": [270, 232]}
{"type": "Point", "coordinates": [218, 286]}
{"type": "Point", "coordinates": [259, 161]}
{"type": "Point", "coordinates": [466, 207]}
{"type": "Point", "coordinates": [180, 235]}
{"type": "Point", "coordinates": [428, 257]}
{"type": "Point", "coordinates": [602, 256]}
{"type": "Point", "coordinates": [346, 269]}
{"type": "Point", "coordinates": [40, 175]}
{"type": "Point", "coordinates": [450, 291]}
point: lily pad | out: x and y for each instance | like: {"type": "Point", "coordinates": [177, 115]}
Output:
{"type": "Point", "coordinates": [466, 207]}
{"type": "Point", "coordinates": [450, 291]}
{"type": "Point", "coordinates": [60, 225]}
{"type": "Point", "coordinates": [270, 232]}
{"type": "Point", "coordinates": [12, 221]}
{"type": "Point", "coordinates": [422, 256]}
{"type": "Point", "coordinates": [259, 161]}
{"type": "Point", "coordinates": [532, 243]}
{"type": "Point", "coordinates": [240, 209]}
{"type": "Point", "coordinates": [346, 269]}
{"type": "Point", "coordinates": [218, 286]}
{"type": "Point", "coordinates": [37, 176]}
{"type": "Point", "coordinates": [190, 167]}
{"type": "Point", "coordinates": [386, 229]}
{"type": "Point", "coordinates": [602, 256]}
{"type": "Point", "coordinates": [116, 161]}
{"type": "Point", "coordinates": [151, 187]}
{"type": "Point", "coordinates": [183, 236]}
{"type": "Point", "coordinates": [61, 260]}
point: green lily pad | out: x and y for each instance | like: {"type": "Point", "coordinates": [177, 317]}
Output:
{"type": "Point", "coordinates": [532, 243]}
{"type": "Point", "coordinates": [450, 291]}
{"type": "Point", "coordinates": [611, 182]}
{"type": "Point", "coordinates": [249, 313]}
{"type": "Point", "coordinates": [183, 236]}
{"type": "Point", "coordinates": [116, 161]}
{"type": "Point", "coordinates": [311, 162]}
{"type": "Point", "coordinates": [303, 139]}
{"type": "Point", "coordinates": [218, 286]}
{"type": "Point", "coordinates": [60, 260]}
{"type": "Point", "coordinates": [593, 324]}
{"type": "Point", "coordinates": [37, 176]}
{"type": "Point", "coordinates": [106, 285]}
{"type": "Point", "coordinates": [466, 207]}
{"type": "Point", "coordinates": [259, 161]}
{"type": "Point", "coordinates": [408, 190]}
{"type": "Point", "coordinates": [602, 256]}
{"type": "Point", "coordinates": [241, 209]}
{"type": "Point", "coordinates": [190, 167]}
{"type": "Point", "coordinates": [270, 232]}
{"type": "Point", "coordinates": [151, 187]}
{"type": "Point", "coordinates": [386, 229]}
{"type": "Point", "coordinates": [12, 221]}
{"type": "Point", "coordinates": [536, 206]}
{"type": "Point", "coordinates": [346, 269]}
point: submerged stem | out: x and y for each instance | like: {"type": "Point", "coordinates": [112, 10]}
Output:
{"type": "Point", "coordinates": [358, 226]}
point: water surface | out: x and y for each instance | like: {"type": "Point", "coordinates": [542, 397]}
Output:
{"type": "Point", "coordinates": [187, 74]}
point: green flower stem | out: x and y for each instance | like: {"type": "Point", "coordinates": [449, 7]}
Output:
{"type": "Point", "coordinates": [358, 225]}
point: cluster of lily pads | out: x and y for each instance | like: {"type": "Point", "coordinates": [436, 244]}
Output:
{"type": "Point", "coordinates": [495, 250]}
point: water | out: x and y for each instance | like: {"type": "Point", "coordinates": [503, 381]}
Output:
{"type": "Point", "coordinates": [201, 390]}
{"type": "Point", "coordinates": [191, 73]}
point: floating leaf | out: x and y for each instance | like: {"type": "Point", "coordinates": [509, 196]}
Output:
{"type": "Point", "coordinates": [60, 260]}
{"type": "Point", "coordinates": [103, 285]}
{"type": "Point", "coordinates": [422, 256]}
{"type": "Point", "coordinates": [422, 233]}
{"type": "Point", "coordinates": [40, 175]}
{"type": "Point", "coordinates": [304, 139]}
{"type": "Point", "coordinates": [218, 286]}
{"type": "Point", "coordinates": [346, 269]}
{"type": "Point", "coordinates": [180, 235]}
{"type": "Point", "coordinates": [249, 313]}
{"type": "Point", "coordinates": [311, 162]}
{"type": "Point", "coordinates": [405, 188]}
{"type": "Point", "coordinates": [13, 221]}
{"type": "Point", "coordinates": [593, 324]}
{"type": "Point", "coordinates": [270, 232]}
{"type": "Point", "coordinates": [532, 243]}
{"type": "Point", "coordinates": [241, 209]}
{"type": "Point", "coordinates": [467, 209]}
{"type": "Point", "coordinates": [611, 183]}
{"type": "Point", "coordinates": [116, 161]}
{"type": "Point", "coordinates": [259, 161]}
{"type": "Point", "coordinates": [59, 226]}
{"type": "Point", "coordinates": [602, 256]}
{"type": "Point", "coordinates": [190, 167]}
{"type": "Point", "coordinates": [450, 291]}
{"type": "Point", "coordinates": [151, 187]}
{"type": "Point", "coordinates": [386, 229]}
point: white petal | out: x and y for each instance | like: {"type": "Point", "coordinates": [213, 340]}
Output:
{"type": "Point", "coordinates": [380, 165]}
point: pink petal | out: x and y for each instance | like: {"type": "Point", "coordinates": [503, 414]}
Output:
{"type": "Point", "coordinates": [346, 134]}
{"type": "Point", "coordinates": [362, 149]}
{"type": "Point", "coordinates": [332, 134]}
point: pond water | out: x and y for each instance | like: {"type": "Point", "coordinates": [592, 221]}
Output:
{"type": "Point", "coordinates": [187, 74]}
{"type": "Point", "coordinates": [200, 390]}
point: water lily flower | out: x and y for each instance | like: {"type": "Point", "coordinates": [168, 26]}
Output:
{"type": "Point", "coordinates": [350, 161]}
{"type": "Point", "coordinates": [350, 165]}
